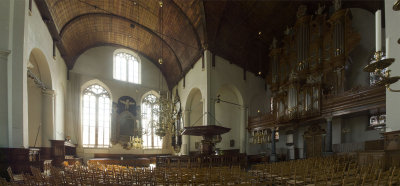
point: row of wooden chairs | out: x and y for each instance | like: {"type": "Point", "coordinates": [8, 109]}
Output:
{"type": "Point", "coordinates": [334, 170]}
{"type": "Point", "coordinates": [325, 171]}
{"type": "Point", "coordinates": [122, 175]}
{"type": "Point", "coordinates": [201, 161]}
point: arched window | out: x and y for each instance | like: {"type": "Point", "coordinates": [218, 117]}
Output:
{"type": "Point", "coordinates": [96, 112]}
{"type": "Point", "coordinates": [149, 120]}
{"type": "Point", "coordinates": [126, 67]}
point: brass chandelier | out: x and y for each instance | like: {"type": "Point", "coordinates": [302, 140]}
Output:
{"type": "Point", "coordinates": [167, 116]}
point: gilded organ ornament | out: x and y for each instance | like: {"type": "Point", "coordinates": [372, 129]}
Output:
{"type": "Point", "coordinates": [310, 62]}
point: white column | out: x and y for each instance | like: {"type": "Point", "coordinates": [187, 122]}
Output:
{"type": "Point", "coordinates": [209, 103]}
{"type": "Point", "coordinates": [378, 31]}
{"type": "Point", "coordinates": [186, 138]}
{"type": "Point", "coordinates": [3, 99]}
{"type": "Point", "coordinates": [48, 128]}
{"type": "Point", "coordinates": [392, 30]}
{"type": "Point", "coordinates": [17, 77]}
{"type": "Point", "coordinates": [243, 130]}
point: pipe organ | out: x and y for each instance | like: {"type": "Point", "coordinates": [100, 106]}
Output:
{"type": "Point", "coordinates": [310, 63]}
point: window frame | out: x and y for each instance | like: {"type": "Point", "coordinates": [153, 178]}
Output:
{"type": "Point", "coordinates": [97, 96]}
{"type": "Point", "coordinates": [153, 135]}
{"type": "Point", "coordinates": [127, 74]}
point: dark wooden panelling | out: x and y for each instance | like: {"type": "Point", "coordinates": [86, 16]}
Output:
{"type": "Point", "coordinates": [17, 158]}
{"type": "Point", "coordinates": [45, 153]}
{"type": "Point", "coordinates": [352, 101]}
{"type": "Point", "coordinates": [127, 156]}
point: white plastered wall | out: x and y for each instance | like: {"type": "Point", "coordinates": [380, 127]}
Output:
{"type": "Point", "coordinates": [20, 34]}
{"type": "Point", "coordinates": [393, 98]}
{"type": "Point", "coordinates": [226, 74]}
{"type": "Point", "coordinates": [97, 64]}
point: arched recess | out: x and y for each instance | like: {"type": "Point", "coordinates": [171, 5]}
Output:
{"type": "Point", "coordinates": [40, 101]}
{"type": "Point", "coordinates": [230, 116]}
{"type": "Point", "coordinates": [193, 116]}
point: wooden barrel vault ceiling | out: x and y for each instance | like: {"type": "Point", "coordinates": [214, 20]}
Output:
{"type": "Point", "coordinates": [228, 28]}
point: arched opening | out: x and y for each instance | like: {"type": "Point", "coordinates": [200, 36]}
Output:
{"type": "Point", "coordinates": [40, 101]}
{"type": "Point", "coordinates": [194, 117]}
{"type": "Point", "coordinates": [230, 115]}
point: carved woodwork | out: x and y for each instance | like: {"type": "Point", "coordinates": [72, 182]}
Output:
{"type": "Point", "coordinates": [211, 135]}
{"type": "Point", "coordinates": [311, 59]}
{"type": "Point", "coordinates": [63, 151]}
{"type": "Point", "coordinates": [351, 101]}
{"type": "Point", "coordinates": [313, 138]}
{"type": "Point", "coordinates": [354, 101]}
{"type": "Point", "coordinates": [138, 162]}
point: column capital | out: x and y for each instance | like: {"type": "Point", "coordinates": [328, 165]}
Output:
{"type": "Point", "coordinates": [49, 92]}
{"type": "Point", "coordinates": [4, 54]}
{"type": "Point", "coordinates": [329, 119]}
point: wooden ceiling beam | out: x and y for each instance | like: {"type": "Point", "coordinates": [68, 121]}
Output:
{"type": "Point", "coordinates": [203, 19]}
{"type": "Point", "coordinates": [188, 21]}
{"type": "Point", "coordinates": [77, 18]}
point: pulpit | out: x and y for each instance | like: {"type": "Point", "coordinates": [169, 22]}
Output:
{"type": "Point", "coordinates": [211, 134]}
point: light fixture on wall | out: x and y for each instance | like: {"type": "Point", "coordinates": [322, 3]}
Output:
{"type": "Point", "coordinates": [396, 6]}
{"type": "Point", "coordinates": [160, 60]}
{"type": "Point", "coordinates": [346, 130]}
{"type": "Point", "coordinates": [380, 62]}
{"type": "Point", "coordinates": [36, 80]}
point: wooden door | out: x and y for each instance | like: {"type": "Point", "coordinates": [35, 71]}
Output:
{"type": "Point", "coordinates": [313, 141]}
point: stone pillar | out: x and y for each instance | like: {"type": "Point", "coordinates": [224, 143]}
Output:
{"type": "Point", "coordinates": [243, 131]}
{"type": "Point", "coordinates": [328, 141]}
{"type": "Point", "coordinates": [273, 147]}
{"type": "Point", "coordinates": [186, 138]}
{"type": "Point", "coordinates": [3, 99]}
{"type": "Point", "coordinates": [17, 77]}
{"type": "Point", "coordinates": [48, 128]}
{"type": "Point", "coordinates": [209, 102]}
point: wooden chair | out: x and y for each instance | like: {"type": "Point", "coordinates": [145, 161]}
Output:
{"type": "Point", "coordinates": [38, 177]}
{"type": "Point", "coordinates": [15, 178]}
{"type": "Point", "coordinates": [4, 182]}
